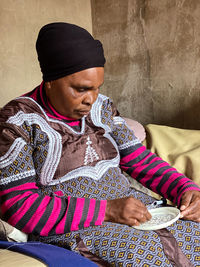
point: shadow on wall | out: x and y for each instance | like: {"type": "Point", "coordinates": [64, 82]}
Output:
{"type": "Point", "coordinates": [152, 51]}
{"type": "Point", "coordinates": [187, 118]}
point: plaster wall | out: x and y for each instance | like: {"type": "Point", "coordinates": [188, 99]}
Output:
{"type": "Point", "coordinates": [20, 21]}
{"type": "Point", "coordinates": [153, 50]}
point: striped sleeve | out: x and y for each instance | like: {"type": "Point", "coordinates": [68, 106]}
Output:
{"type": "Point", "coordinates": [23, 206]}
{"type": "Point", "coordinates": [26, 207]}
{"type": "Point", "coordinates": [147, 168]}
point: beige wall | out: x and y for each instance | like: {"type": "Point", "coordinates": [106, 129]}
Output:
{"type": "Point", "coordinates": [153, 58]}
{"type": "Point", "coordinates": [152, 50]}
{"type": "Point", "coordinates": [20, 21]}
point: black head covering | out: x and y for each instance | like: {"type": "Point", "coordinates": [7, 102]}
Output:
{"type": "Point", "coordinates": [65, 48]}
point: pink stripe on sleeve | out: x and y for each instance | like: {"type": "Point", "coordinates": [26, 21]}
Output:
{"type": "Point", "coordinates": [102, 211]}
{"type": "Point", "coordinates": [173, 177]}
{"type": "Point", "coordinates": [156, 180]}
{"type": "Point", "coordinates": [8, 203]}
{"type": "Point", "coordinates": [186, 189]}
{"type": "Point", "coordinates": [61, 226]}
{"type": "Point", "coordinates": [19, 187]}
{"type": "Point", "coordinates": [124, 167]}
{"type": "Point", "coordinates": [90, 213]}
{"type": "Point", "coordinates": [23, 209]}
{"type": "Point", "coordinates": [178, 185]}
{"type": "Point", "coordinates": [52, 218]}
{"type": "Point", "coordinates": [77, 214]}
{"type": "Point", "coordinates": [28, 228]}
{"type": "Point", "coordinates": [133, 155]}
{"type": "Point", "coordinates": [138, 170]}
{"type": "Point", "coordinates": [150, 173]}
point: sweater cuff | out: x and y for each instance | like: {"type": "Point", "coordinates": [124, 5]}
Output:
{"type": "Point", "coordinates": [193, 186]}
{"type": "Point", "coordinates": [102, 211]}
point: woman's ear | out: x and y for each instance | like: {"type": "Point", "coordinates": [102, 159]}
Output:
{"type": "Point", "coordinates": [47, 87]}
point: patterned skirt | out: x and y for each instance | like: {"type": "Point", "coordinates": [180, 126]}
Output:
{"type": "Point", "coordinates": [121, 245]}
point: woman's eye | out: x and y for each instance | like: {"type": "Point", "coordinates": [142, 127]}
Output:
{"type": "Point", "coordinates": [80, 90]}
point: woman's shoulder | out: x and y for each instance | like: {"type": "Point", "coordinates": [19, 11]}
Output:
{"type": "Point", "coordinates": [20, 106]}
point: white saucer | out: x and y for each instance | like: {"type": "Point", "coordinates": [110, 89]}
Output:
{"type": "Point", "coordinates": [161, 218]}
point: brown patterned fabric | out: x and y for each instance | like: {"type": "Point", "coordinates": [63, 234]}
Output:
{"type": "Point", "coordinates": [172, 250]}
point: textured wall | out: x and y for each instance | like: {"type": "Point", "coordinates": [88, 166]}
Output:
{"type": "Point", "coordinates": [20, 21]}
{"type": "Point", "coordinates": [152, 50]}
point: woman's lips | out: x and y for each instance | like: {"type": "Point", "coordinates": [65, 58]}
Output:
{"type": "Point", "coordinates": [83, 112]}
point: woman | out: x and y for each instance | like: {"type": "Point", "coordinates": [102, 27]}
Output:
{"type": "Point", "coordinates": [63, 149]}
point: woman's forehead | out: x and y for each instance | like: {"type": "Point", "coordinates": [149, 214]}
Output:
{"type": "Point", "coordinates": [92, 75]}
{"type": "Point", "coordinates": [88, 79]}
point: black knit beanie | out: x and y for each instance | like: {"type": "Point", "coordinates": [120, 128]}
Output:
{"type": "Point", "coordinates": [65, 48]}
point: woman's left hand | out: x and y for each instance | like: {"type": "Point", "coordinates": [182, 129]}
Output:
{"type": "Point", "coordinates": [190, 205]}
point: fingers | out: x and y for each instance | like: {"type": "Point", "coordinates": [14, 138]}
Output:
{"type": "Point", "coordinates": [185, 200]}
{"type": "Point", "coordinates": [191, 211]}
{"type": "Point", "coordinates": [135, 212]}
{"type": "Point", "coordinates": [192, 217]}
{"type": "Point", "coordinates": [142, 214]}
{"type": "Point", "coordinates": [128, 211]}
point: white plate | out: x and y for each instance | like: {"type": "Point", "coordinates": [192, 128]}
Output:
{"type": "Point", "coordinates": [161, 218]}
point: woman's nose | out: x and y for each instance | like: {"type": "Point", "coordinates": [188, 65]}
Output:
{"type": "Point", "coordinates": [90, 97]}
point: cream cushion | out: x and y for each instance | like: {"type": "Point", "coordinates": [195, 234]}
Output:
{"type": "Point", "coordinates": [14, 259]}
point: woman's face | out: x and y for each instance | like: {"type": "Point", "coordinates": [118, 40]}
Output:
{"type": "Point", "coordinates": [73, 95]}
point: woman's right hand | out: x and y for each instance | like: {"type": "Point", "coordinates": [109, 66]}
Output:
{"type": "Point", "coordinates": [129, 210]}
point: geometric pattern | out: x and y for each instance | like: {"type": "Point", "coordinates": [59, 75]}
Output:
{"type": "Point", "coordinates": [22, 164]}
{"type": "Point", "coordinates": [121, 245]}
{"type": "Point", "coordinates": [31, 157]}
{"type": "Point", "coordinates": [123, 136]}
{"type": "Point", "coordinates": [113, 184]}
{"type": "Point", "coordinates": [118, 244]}
{"type": "Point", "coordinates": [106, 114]}
{"type": "Point", "coordinates": [187, 235]}
{"type": "Point", "coordinates": [40, 142]}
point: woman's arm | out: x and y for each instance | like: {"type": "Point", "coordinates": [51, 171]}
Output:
{"type": "Point", "coordinates": [24, 205]}
{"type": "Point", "coordinates": [147, 168]}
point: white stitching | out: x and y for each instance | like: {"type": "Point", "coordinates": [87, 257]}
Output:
{"type": "Point", "coordinates": [55, 144]}
{"type": "Point", "coordinates": [17, 177]}
{"type": "Point", "coordinates": [127, 145]}
{"type": "Point", "coordinates": [94, 172]}
{"type": "Point", "coordinates": [57, 121]}
{"type": "Point", "coordinates": [12, 153]}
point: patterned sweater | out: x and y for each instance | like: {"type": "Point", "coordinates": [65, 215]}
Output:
{"type": "Point", "coordinates": [56, 174]}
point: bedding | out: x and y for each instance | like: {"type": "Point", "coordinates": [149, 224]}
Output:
{"type": "Point", "coordinates": [13, 259]}
{"type": "Point", "coordinates": [52, 256]}
{"type": "Point", "coordinates": [179, 147]}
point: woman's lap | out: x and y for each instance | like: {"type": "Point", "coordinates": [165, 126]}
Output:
{"type": "Point", "coordinates": [121, 245]}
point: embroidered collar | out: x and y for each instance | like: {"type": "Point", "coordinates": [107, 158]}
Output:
{"type": "Point", "coordinates": [39, 95]}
